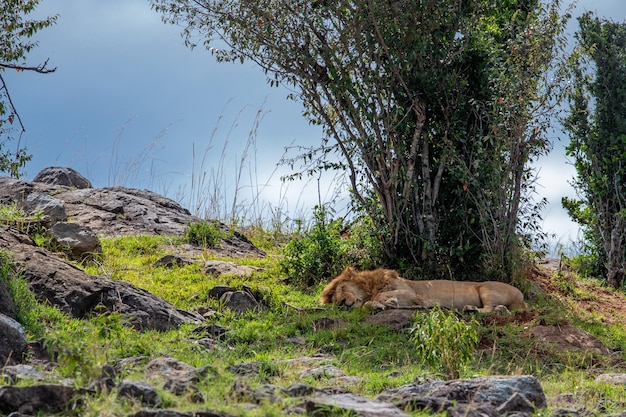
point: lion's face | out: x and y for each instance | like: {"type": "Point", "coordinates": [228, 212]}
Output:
{"type": "Point", "coordinates": [346, 290]}
{"type": "Point", "coordinates": [349, 294]}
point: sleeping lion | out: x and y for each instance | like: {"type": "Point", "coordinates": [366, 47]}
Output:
{"type": "Point", "coordinates": [384, 288]}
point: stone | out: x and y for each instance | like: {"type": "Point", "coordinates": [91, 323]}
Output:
{"type": "Point", "coordinates": [65, 176]}
{"type": "Point", "coordinates": [31, 400]}
{"type": "Point", "coordinates": [7, 306]}
{"type": "Point", "coordinates": [219, 268]}
{"type": "Point", "coordinates": [170, 261]}
{"type": "Point", "coordinates": [52, 209]}
{"type": "Point", "coordinates": [140, 391]}
{"type": "Point", "coordinates": [492, 390]}
{"type": "Point", "coordinates": [241, 302]}
{"type": "Point", "coordinates": [54, 281]}
{"type": "Point", "coordinates": [613, 379]}
{"type": "Point", "coordinates": [179, 377]}
{"type": "Point", "coordinates": [395, 319]}
{"type": "Point", "coordinates": [80, 241]}
{"type": "Point", "coordinates": [567, 338]}
{"type": "Point", "coordinates": [350, 403]}
{"type": "Point", "coordinates": [13, 343]}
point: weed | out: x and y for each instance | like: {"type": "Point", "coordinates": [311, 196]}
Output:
{"type": "Point", "coordinates": [204, 234]}
{"type": "Point", "coordinates": [444, 342]}
{"type": "Point", "coordinates": [317, 255]}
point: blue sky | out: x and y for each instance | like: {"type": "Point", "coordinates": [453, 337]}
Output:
{"type": "Point", "coordinates": [129, 104]}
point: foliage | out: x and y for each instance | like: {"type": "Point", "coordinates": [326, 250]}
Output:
{"type": "Point", "coordinates": [433, 108]}
{"type": "Point", "coordinates": [317, 255]}
{"type": "Point", "coordinates": [14, 46]}
{"type": "Point", "coordinates": [597, 128]}
{"type": "Point", "coordinates": [444, 342]}
{"type": "Point", "coordinates": [205, 234]}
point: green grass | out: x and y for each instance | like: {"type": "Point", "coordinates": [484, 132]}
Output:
{"type": "Point", "coordinates": [382, 357]}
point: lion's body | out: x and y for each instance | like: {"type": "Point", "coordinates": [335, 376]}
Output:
{"type": "Point", "coordinates": [384, 288]}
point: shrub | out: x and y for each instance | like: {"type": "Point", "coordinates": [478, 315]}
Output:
{"type": "Point", "coordinates": [205, 234]}
{"type": "Point", "coordinates": [444, 342]}
{"type": "Point", "coordinates": [317, 255]}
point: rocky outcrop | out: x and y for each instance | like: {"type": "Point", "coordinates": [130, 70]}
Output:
{"type": "Point", "coordinates": [54, 281]}
{"type": "Point", "coordinates": [65, 176]}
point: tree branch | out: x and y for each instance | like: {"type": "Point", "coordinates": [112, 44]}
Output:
{"type": "Point", "coordinates": [41, 69]}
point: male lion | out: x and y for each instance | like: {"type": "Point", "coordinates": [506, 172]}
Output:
{"type": "Point", "coordinates": [384, 288]}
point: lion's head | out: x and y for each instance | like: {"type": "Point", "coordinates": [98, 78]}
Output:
{"type": "Point", "coordinates": [351, 289]}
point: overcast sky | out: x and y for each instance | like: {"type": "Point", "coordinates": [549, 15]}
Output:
{"type": "Point", "coordinates": [130, 105]}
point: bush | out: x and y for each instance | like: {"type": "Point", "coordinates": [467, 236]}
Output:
{"type": "Point", "coordinates": [205, 234]}
{"type": "Point", "coordinates": [318, 255]}
{"type": "Point", "coordinates": [444, 342]}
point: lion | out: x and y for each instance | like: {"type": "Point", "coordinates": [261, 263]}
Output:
{"type": "Point", "coordinates": [384, 288]}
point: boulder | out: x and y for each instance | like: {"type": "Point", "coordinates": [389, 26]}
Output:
{"type": "Point", "coordinates": [140, 391]}
{"type": "Point", "coordinates": [52, 209]}
{"type": "Point", "coordinates": [13, 343]}
{"type": "Point", "coordinates": [80, 241]}
{"type": "Point", "coordinates": [67, 177]}
{"type": "Point", "coordinates": [54, 281]}
{"type": "Point", "coordinates": [218, 268]}
{"type": "Point", "coordinates": [351, 404]}
{"type": "Point", "coordinates": [47, 398]}
{"type": "Point", "coordinates": [491, 392]}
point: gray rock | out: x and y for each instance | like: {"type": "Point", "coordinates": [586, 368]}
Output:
{"type": "Point", "coordinates": [7, 306]}
{"type": "Point", "coordinates": [219, 268]}
{"type": "Point", "coordinates": [180, 378]}
{"type": "Point", "coordinates": [62, 176]}
{"type": "Point", "coordinates": [613, 379]}
{"type": "Point", "coordinates": [493, 390]}
{"type": "Point", "coordinates": [396, 319]}
{"type": "Point", "coordinates": [52, 209]}
{"type": "Point", "coordinates": [61, 284]}
{"type": "Point", "coordinates": [324, 371]}
{"type": "Point", "coordinates": [81, 241]}
{"type": "Point", "coordinates": [37, 398]}
{"type": "Point", "coordinates": [140, 391]}
{"type": "Point", "coordinates": [175, 413]}
{"type": "Point", "coordinates": [13, 373]}
{"type": "Point", "coordinates": [170, 261]}
{"type": "Point", "coordinates": [241, 302]}
{"type": "Point", "coordinates": [13, 343]}
{"type": "Point", "coordinates": [329, 405]}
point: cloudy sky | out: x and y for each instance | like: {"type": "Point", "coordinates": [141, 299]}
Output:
{"type": "Point", "coordinates": [130, 105]}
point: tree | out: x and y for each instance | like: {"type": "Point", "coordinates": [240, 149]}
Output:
{"type": "Point", "coordinates": [425, 104]}
{"type": "Point", "coordinates": [597, 129]}
{"type": "Point", "coordinates": [14, 46]}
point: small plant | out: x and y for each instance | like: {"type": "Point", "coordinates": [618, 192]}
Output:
{"type": "Point", "coordinates": [318, 254]}
{"type": "Point", "coordinates": [444, 342]}
{"type": "Point", "coordinates": [205, 234]}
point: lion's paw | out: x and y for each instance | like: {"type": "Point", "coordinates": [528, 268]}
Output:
{"type": "Point", "coordinates": [470, 308]}
{"type": "Point", "coordinates": [374, 305]}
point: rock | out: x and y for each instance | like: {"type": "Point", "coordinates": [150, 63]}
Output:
{"type": "Point", "coordinates": [67, 177]}
{"type": "Point", "coordinates": [241, 302]}
{"type": "Point", "coordinates": [80, 241]}
{"type": "Point", "coordinates": [396, 319]}
{"type": "Point", "coordinates": [324, 371]}
{"type": "Point", "coordinates": [13, 343]}
{"type": "Point", "coordinates": [180, 378]}
{"type": "Point", "coordinates": [329, 405]}
{"type": "Point", "coordinates": [493, 390]}
{"type": "Point", "coordinates": [140, 391]}
{"type": "Point", "coordinates": [568, 337]}
{"type": "Point", "coordinates": [47, 398]}
{"type": "Point", "coordinates": [219, 268]}
{"type": "Point", "coordinates": [61, 284]}
{"type": "Point", "coordinates": [13, 373]}
{"type": "Point", "coordinates": [175, 413]}
{"type": "Point", "coordinates": [52, 209]}
{"type": "Point", "coordinates": [170, 261]}
{"type": "Point", "coordinates": [613, 379]}
{"type": "Point", "coordinates": [7, 306]}
{"type": "Point", "coordinates": [119, 211]}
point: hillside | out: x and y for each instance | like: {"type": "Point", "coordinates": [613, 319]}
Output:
{"type": "Point", "coordinates": [145, 323]}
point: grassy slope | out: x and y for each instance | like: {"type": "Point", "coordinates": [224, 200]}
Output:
{"type": "Point", "coordinates": [384, 358]}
